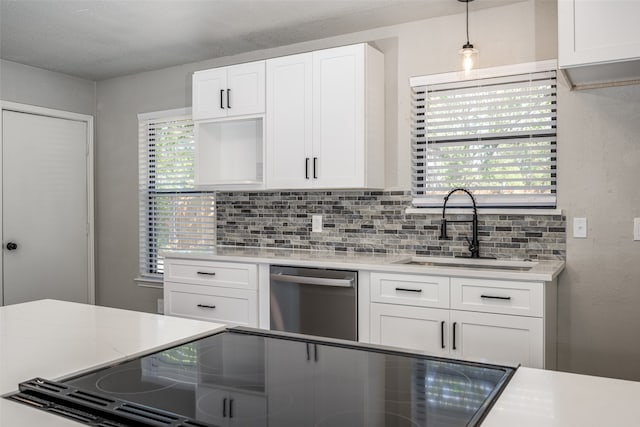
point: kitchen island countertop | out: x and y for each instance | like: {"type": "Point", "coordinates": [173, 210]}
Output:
{"type": "Point", "coordinates": [55, 339]}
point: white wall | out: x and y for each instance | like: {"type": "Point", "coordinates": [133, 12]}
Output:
{"type": "Point", "coordinates": [35, 86]}
{"type": "Point", "coordinates": [598, 169]}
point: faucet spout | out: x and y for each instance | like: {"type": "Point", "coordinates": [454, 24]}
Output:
{"type": "Point", "coordinates": [474, 243]}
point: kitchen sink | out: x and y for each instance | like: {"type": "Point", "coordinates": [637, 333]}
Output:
{"type": "Point", "coordinates": [491, 264]}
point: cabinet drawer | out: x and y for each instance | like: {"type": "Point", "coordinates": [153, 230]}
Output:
{"type": "Point", "coordinates": [222, 305]}
{"type": "Point", "coordinates": [210, 273]}
{"type": "Point", "coordinates": [409, 289]}
{"type": "Point", "coordinates": [497, 296]}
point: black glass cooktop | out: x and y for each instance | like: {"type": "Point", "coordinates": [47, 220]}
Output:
{"type": "Point", "coordinates": [250, 378]}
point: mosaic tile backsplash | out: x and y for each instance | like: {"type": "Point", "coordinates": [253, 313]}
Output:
{"type": "Point", "coordinates": [376, 222]}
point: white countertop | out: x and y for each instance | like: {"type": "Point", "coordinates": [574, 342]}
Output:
{"type": "Point", "coordinates": [539, 398]}
{"type": "Point", "coordinates": [56, 339]}
{"type": "Point", "coordinates": [544, 271]}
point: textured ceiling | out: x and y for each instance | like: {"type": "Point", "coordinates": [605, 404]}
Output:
{"type": "Point", "coordinates": [108, 38]}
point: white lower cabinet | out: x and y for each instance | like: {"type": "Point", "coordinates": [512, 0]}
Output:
{"type": "Point", "coordinates": [480, 332]}
{"type": "Point", "coordinates": [415, 328]}
{"type": "Point", "coordinates": [214, 291]}
{"type": "Point", "coordinates": [224, 407]}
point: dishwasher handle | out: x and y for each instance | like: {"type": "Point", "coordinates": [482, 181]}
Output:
{"type": "Point", "coordinates": [305, 280]}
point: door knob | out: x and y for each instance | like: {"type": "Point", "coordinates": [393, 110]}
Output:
{"type": "Point", "coordinates": [12, 246]}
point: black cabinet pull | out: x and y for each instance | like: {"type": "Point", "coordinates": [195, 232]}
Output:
{"type": "Point", "coordinates": [442, 334]}
{"type": "Point", "coordinates": [205, 273]}
{"type": "Point", "coordinates": [315, 168]}
{"type": "Point", "coordinates": [228, 98]}
{"type": "Point", "coordinates": [12, 246]}
{"type": "Point", "coordinates": [306, 168]}
{"type": "Point", "coordinates": [495, 297]}
{"type": "Point", "coordinates": [409, 290]}
{"type": "Point", "coordinates": [454, 335]}
{"type": "Point", "coordinates": [224, 407]}
{"type": "Point", "coordinates": [308, 352]}
{"type": "Point", "coordinates": [206, 306]}
{"type": "Point", "coordinates": [230, 408]}
{"type": "Point", "coordinates": [315, 352]}
{"type": "Point", "coordinates": [221, 101]}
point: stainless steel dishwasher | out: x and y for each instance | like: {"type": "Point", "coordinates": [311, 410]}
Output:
{"type": "Point", "coordinates": [314, 301]}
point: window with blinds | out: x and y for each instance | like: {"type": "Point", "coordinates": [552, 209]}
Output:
{"type": "Point", "coordinates": [173, 213]}
{"type": "Point", "coordinates": [494, 136]}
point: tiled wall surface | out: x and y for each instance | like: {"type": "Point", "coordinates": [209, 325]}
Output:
{"type": "Point", "coordinates": [375, 221]}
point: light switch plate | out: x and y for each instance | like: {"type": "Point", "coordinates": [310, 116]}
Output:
{"type": "Point", "coordinates": [579, 228]}
{"type": "Point", "coordinates": [316, 223]}
{"type": "Point", "coordinates": [636, 228]}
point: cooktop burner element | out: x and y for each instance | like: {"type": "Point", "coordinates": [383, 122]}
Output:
{"type": "Point", "coordinates": [254, 378]}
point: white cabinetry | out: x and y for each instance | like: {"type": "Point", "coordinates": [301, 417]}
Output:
{"type": "Point", "coordinates": [496, 321]}
{"type": "Point", "coordinates": [229, 91]}
{"type": "Point", "coordinates": [325, 119]}
{"type": "Point", "coordinates": [599, 40]}
{"type": "Point", "coordinates": [214, 291]}
{"type": "Point", "coordinates": [228, 111]}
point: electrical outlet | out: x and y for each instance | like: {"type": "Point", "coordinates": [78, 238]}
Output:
{"type": "Point", "coordinates": [316, 223]}
{"type": "Point", "coordinates": [579, 228]}
{"type": "Point", "coordinates": [636, 228]}
{"type": "Point", "coordinates": [160, 306]}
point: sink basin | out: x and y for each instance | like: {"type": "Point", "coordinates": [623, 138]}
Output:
{"type": "Point", "coordinates": [492, 264]}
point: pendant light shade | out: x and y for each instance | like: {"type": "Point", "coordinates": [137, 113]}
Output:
{"type": "Point", "coordinates": [468, 52]}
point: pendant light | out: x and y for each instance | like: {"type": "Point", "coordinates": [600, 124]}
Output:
{"type": "Point", "coordinates": [468, 52]}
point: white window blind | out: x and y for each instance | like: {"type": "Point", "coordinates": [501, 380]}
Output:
{"type": "Point", "coordinates": [173, 213]}
{"type": "Point", "coordinates": [494, 136]}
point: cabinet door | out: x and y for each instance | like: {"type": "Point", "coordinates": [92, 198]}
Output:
{"type": "Point", "coordinates": [289, 122]}
{"type": "Point", "coordinates": [497, 338]}
{"type": "Point", "coordinates": [416, 328]}
{"type": "Point", "coordinates": [209, 92]}
{"type": "Point", "coordinates": [245, 90]}
{"type": "Point", "coordinates": [597, 31]}
{"type": "Point", "coordinates": [338, 117]}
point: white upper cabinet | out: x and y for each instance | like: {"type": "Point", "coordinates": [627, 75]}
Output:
{"type": "Point", "coordinates": [599, 40]}
{"type": "Point", "coordinates": [229, 91]}
{"type": "Point", "coordinates": [325, 119]}
{"type": "Point", "coordinates": [289, 121]}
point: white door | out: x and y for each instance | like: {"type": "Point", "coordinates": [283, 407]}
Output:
{"type": "Point", "coordinates": [245, 92]}
{"type": "Point", "coordinates": [209, 94]}
{"type": "Point", "coordinates": [497, 338]}
{"type": "Point", "coordinates": [416, 328]}
{"type": "Point", "coordinates": [44, 208]}
{"type": "Point", "coordinates": [338, 117]}
{"type": "Point", "coordinates": [289, 122]}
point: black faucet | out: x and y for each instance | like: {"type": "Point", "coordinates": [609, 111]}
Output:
{"type": "Point", "coordinates": [474, 244]}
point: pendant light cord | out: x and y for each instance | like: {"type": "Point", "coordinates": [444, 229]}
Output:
{"type": "Point", "coordinates": [467, 21]}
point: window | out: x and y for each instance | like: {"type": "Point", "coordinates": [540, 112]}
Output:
{"type": "Point", "coordinates": [173, 213]}
{"type": "Point", "coordinates": [495, 136]}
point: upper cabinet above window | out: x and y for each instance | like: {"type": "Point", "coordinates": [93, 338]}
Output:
{"type": "Point", "coordinates": [229, 91]}
{"type": "Point", "coordinates": [599, 41]}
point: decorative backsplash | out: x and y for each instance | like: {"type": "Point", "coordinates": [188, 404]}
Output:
{"type": "Point", "coordinates": [375, 221]}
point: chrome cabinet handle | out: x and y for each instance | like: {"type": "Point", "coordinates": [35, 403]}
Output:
{"type": "Point", "coordinates": [206, 306]}
{"type": "Point", "coordinates": [205, 273]}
